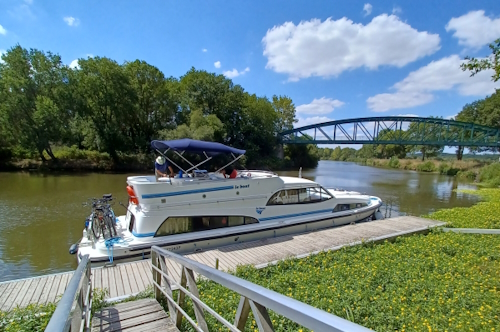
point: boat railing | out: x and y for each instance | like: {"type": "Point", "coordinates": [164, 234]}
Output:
{"type": "Point", "coordinates": [73, 310]}
{"type": "Point", "coordinates": [253, 298]}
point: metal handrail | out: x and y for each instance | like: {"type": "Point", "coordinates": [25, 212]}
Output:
{"type": "Point", "coordinates": [73, 310]}
{"type": "Point", "coordinates": [257, 297]}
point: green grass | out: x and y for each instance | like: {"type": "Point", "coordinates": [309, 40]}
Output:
{"type": "Point", "coordinates": [442, 281]}
{"type": "Point", "coordinates": [34, 317]}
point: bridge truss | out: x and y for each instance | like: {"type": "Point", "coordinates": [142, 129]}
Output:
{"type": "Point", "coordinates": [399, 130]}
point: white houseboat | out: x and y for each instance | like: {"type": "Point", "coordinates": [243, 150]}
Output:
{"type": "Point", "coordinates": [199, 210]}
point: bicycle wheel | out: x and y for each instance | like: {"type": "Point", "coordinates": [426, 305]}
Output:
{"type": "Point", "coordinates": [96, 227]}
{"type": "Point", "coordinates": [110, 225]}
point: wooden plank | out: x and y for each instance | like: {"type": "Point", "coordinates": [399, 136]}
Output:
{"type": "Point", "coordinates": [144, 274]}
{"type": "Point", "coordinates": [30, 294]}
{"type": "Point", "coordinates": [131, 322]}
{"type": "Point", "coordinates": [117, 279]}
{"type": "Point", "coordinates": [163, 325]}
{"type": "Point", "coordinates": [97, 278]}
{"type": "Point", "coordinates": [62, 286]}
{"type": "Point", "coordinates": [112, 315]}
{"type": "Point", "coordinates": [126, 283]}
{"type": "Point", "coordinates": [7, 293]}
{"type": "Point", "coordinates": [20, 294]}
{"type": "Point", "coordinates": [125, 306]}
{"type": "Point", "coordinates": [6, 289]}
{"type": "Point", "coordinates": [42, 298]}
{"type": "Point", "coordinates": [131, 278]}
{"type": "Point", "coordinates": [113, 282]}
{"type": "Point", "coordinates": [52, 293]}
{"type": "Point", "coordinates": [138, 277]}
{"type": "Point", "coordinates": [105, 282]}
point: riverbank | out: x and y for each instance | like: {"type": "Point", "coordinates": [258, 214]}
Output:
{"type": "Point", "coordinates": [488, 173]}
{"type": "Point", "coordinates": [73, 159]}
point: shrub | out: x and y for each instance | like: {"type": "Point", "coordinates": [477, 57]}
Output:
{"type": "Point", "coordinates": [447, 169]}
{"type": "Point", "coordinates": [428, 166]}
{"type": "Point", "coordinates": [394, 162]}
{"type": "Point", "coordinates": [490, 174]}
{"type": "Point", "coordinates": [471, 175]}
{"type": "Point", "coordinates": [34, 317]}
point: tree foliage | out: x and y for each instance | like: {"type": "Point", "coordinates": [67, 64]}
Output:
{"type": "Point", "coordinates": [119, 108]}
{"type": "Point", "coordinates": [492, 62]}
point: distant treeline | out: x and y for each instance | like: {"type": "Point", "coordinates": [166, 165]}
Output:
{"type": "Point", "coordinates": [102, 109]}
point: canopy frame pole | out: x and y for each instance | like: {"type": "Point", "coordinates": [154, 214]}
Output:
{"type": "Point", "coordinates": [163, 154]}
{"type": "Point", "coordinates": [180, 155]}
{"type": "Point", "coordinates": [232, 162]}
{"type": "Point", "coordinates": [196, 166]}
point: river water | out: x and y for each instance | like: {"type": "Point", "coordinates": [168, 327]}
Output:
{"type": "Point", "coordinates": [41, 215]}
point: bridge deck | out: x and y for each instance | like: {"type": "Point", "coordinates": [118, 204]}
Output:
{"type": "Point", "coordinates": [131, 278]}
{"type": "Point", "coordinates": [141, 315]}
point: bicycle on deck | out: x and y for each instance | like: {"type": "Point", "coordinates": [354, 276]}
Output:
{"type": "Point", "coordinates": [102, 220]}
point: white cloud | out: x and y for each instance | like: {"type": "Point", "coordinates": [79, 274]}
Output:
{"type": "Point", "coordinates": [2, 30]}
{"type": "Point", "coordinates": [325, 49]}
{"type": "Point", "coordinates": [409, 115]}
{"type": "Point", "coordinates": [71, 21]}
{"type": "Point", "coordinates": [474, 29]}
{"type": "Point", "coordinates": [441, 75]}
{"type": "Point", "coordinates": [74, 64]}
{"type": "Point", "coordinates": [2, 52]}
{"type": "Point", "coordinates": [451, 117]}
{"type": "Point", "coordinates": [204, 50]}
{"type": "Point", "coordinates": [319, 106]}
{"type": "Point", "coordinates": [311, 120]}
{"type": "Point", "coordinates": [217, 64]}
{"type": "Point", "coordinates": [234, 73]}
{"type": "Point", "coordinates": [367, 8]}
{"type": "Point", "coordinates": [396, 10]}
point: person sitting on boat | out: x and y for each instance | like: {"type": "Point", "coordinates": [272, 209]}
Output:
{"type": "Point", "coordinates": [161, 166]}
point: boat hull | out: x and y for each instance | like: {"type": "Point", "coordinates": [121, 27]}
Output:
{"type": "Point", "coordinates": [208, 242]}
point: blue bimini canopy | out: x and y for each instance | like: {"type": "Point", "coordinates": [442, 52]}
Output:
{"type": "Point", "coordinates": [194, 146]}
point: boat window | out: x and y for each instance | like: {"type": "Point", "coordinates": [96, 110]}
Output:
{"type": "Point", "coordinates": [250, 220]}
{"type": "Point", "coordinates": [178, 225]}
{"type": "Point", "coordinates": [302, 195]}
{"type": "Point", "coordinates": [175, 225]}
{"type": "Point", "coordinates": [325, 194]}
{"type": "Point", "coordinates": [236, 221]}
{"type": "Point", "coordinates": [344, 207]}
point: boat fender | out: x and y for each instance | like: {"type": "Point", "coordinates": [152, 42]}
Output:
{"type": "Point", "coordinates": [378, 215]}
{"type": "Point", "coordinates": [73, 249]}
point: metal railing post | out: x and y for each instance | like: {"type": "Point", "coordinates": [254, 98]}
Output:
{"type": "Point", "coordinates": [73, 311]}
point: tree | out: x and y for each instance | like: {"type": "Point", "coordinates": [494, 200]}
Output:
{"type": "Point", "coordinates": [285, 110]}
{"type": "Point", "coordinates": [425, 131]}
{"type": "Point", "coordinates": [493, 62]}
{"type": "Point", "coordinates": [156, 103]}
{"type": "Point", "coordinates": [104, 95]}
{"type": "Point", "coordinates": [33, 101]}
{"type": "Point", "coordinates": [200, 127]}
{"type": "Point", "coordinates": [386, 151]}
{"type": "Point", "coordinates": [484, 112]}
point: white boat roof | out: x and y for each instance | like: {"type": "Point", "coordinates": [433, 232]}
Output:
{"type": "Point", "coordinates": [293, 181]}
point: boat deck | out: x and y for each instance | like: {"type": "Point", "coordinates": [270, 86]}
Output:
{"type": "Point", "coordinates": [131, 278]}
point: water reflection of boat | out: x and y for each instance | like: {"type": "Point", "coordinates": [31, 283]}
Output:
{"type": "Point", "coordinates": [200, 210]}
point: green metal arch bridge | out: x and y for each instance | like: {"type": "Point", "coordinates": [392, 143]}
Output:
{"type": "Point", "coordinates": [395, 130]}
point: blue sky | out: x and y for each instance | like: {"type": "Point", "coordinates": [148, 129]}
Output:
{"type": "Point", "coordinates": [334, 59]}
